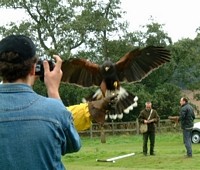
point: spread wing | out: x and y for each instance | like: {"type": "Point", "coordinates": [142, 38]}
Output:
{"type": "Point", "coordinates": [81, 72]}
{"type": "Point", "coordinates": [139, 63]}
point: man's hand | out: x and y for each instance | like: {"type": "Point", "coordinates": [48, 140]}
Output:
{"type": "Point", "coordinates": [151, 120]}
{"type": "Point", "coordinates": [52, 78]}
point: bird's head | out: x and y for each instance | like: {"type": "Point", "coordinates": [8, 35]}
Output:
{"type": "Point", "coordinates": [107, 67]}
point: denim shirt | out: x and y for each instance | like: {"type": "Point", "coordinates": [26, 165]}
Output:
{"type": "Point", "coordinates": [34, 130]}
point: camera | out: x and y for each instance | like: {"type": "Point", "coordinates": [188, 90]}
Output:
{"type": "Point", "coordinates": [39, 70]}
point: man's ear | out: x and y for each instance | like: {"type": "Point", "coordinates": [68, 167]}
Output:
{"type": "Point", "coordinates": [32, 72]}
{"type": "Point", "coordinates": [32, 76]}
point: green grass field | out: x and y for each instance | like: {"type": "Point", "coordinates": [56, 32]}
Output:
{"type": "Point", "coordinates": [169, 151]}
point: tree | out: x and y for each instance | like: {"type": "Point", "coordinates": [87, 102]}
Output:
{"type": "Point", "coordinates": [150, 34]}
{"type": "Point", "coordinates": [166, 100]}
{"type": "Point", "coordinates": [186, 57]}
{"type": "Point", "coordinates": [60, 27]}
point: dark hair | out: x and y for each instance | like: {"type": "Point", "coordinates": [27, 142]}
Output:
{"type": "Point", "coordinates": [185, 99]}
{"type": "Point", "coordinates": [11, 71]}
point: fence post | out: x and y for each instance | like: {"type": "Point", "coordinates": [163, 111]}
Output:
{"type": "Point", "coordinates": [137, 126]}
{"type": "Point", "coordinates": [158, 126]}
{"type": "Point", "coordinates": [91, 131]}
{"type": "Point", "coordinates": [112, 127]}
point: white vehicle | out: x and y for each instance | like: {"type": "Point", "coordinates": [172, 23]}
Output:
{"type": "Point", "coordinates": [196, 133]}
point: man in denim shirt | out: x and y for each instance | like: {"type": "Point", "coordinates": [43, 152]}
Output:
{"type": "Point", "coordinates": [34, 130]}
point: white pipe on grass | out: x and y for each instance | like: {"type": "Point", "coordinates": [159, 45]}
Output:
{"type": "Point", "coordinates": [115, 158]}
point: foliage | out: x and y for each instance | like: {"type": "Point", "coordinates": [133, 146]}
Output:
{"type": "Point", "coordinates": [117, 49]}
{"type": "Point", "coordinates": [40, 88]}
{"type": "Point", "coordinates": [166, 100]}
{"type": "Point", "coordinates": [186, 54]}
{"type": "Point", "coordinates": [150, 34]}
{"type": "Point", "coordinates": [72, 95]}
{"type": "Point", "coordinates": [197, 96]}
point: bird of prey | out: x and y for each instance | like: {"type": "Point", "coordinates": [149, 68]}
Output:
{"type": "Point", "coordinates": [132, 67]}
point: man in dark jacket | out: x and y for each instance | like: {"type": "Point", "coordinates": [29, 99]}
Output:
{"type": "Point", "coordinates": [186, 118]}
{"type": "Point", "coordinates": [150, 117]}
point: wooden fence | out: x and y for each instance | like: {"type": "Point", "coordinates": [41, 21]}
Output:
{"type": "Point", "coordinates": [115, 128]}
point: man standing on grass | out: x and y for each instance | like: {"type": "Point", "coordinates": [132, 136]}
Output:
{"type": "Point", "coordinates": [186, 118]}
{"type": "Point", "coordinates": [150, 117]}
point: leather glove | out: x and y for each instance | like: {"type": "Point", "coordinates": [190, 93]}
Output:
{"type": "Point", "coordinates": [99, 108]}
{"type": "Point", "coordinates": [174, 119]}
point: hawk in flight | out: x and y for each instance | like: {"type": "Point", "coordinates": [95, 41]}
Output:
{"type": "Point", "coordinates": [132, 67]}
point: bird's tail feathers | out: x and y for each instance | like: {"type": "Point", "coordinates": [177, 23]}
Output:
{"type": "Point", "coordinates": [113, 116]}
{"type": "Point", "coordinates": [126, 102]}
{"type": "Point", "coordinates": [129, 108]}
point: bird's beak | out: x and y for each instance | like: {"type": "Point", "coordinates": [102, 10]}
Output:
{"type": "Point", "coordinates": [107, 68]}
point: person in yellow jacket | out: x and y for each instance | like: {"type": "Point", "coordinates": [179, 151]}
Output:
{"type": "Point", "coordinates": [84, 113]}
{"type": "Point", "coordinates": [81, 116]}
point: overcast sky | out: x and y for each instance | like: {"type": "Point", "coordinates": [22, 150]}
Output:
{"type": "Point", "coordinates": [181, 17]}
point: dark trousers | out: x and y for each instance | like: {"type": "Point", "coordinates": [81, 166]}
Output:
{"type": "Point", "coordinates": [187, 141]}
{"type": "Point", "coordinates": [151, 136]}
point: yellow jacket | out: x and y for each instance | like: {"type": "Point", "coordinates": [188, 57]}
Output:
{"type": "Point", "coordinates": [81, 116]}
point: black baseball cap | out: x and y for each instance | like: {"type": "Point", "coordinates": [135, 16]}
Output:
{"type": "Point", "coordinates": [20, 44]}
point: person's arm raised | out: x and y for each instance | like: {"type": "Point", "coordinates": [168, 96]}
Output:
{"type": "Point", "coordinates": [52, 78]}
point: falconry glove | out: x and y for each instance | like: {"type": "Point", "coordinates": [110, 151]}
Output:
{"type": "Point", "coordinates": [99, 108]}
{"type": "Point", "coordinates": [174, 119]}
